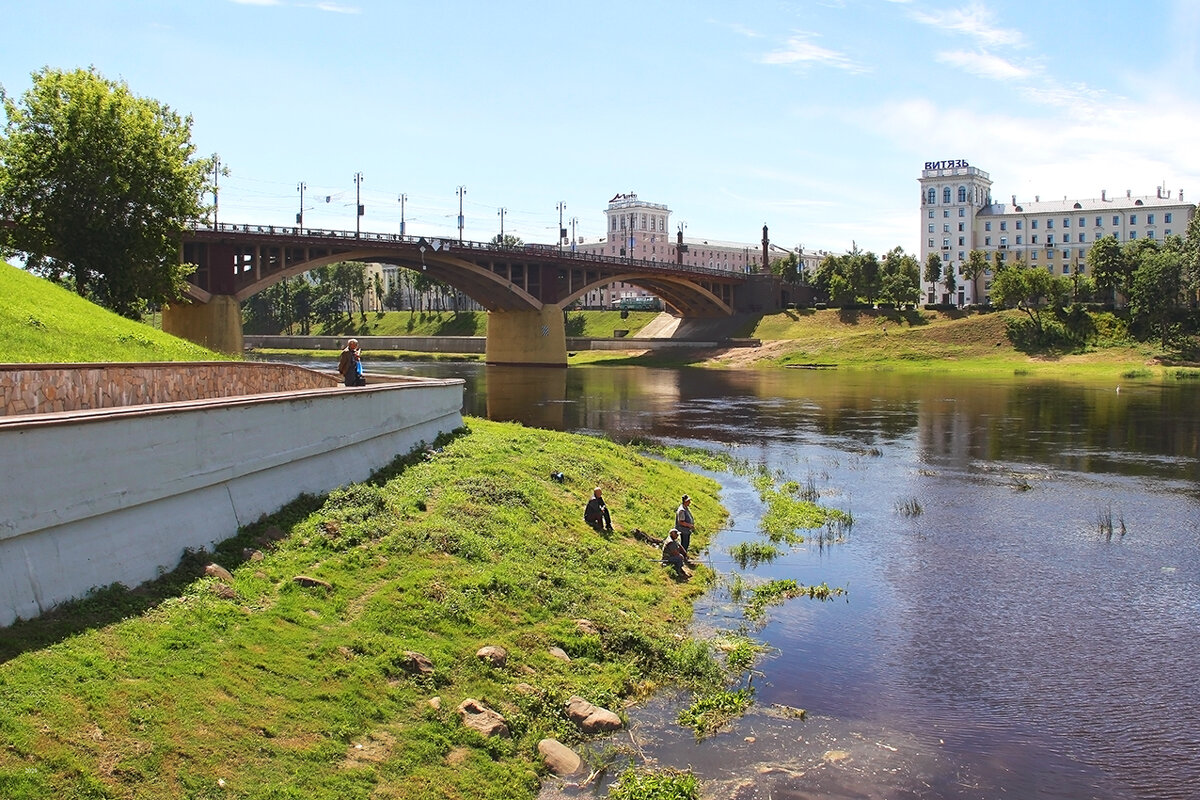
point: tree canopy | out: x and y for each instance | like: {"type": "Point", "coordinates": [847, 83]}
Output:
{"type": "Point", "coordinates": [97, 185]}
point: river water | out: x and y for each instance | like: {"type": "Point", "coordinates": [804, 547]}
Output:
{"type": "Point", "coordinates": [1031, 633]}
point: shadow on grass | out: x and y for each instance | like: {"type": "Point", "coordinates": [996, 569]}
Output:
{"type": "Point", "coordinates": [111, 604]}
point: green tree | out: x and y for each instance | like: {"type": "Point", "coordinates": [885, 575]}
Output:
{"type": "Point", "coordinates": [977, 264]}
{"type": "Point", "coordinates": [1156, 290]}
{"type": "Point", "coordinates": [508, 241]}
{"type": "Point", "coordinates": [1030, 289]}
{"type": "Point", "coordinates": [933, 272]}
{"type": "Point", "coordinates": [98, 185]}
{"type": "Point", "coordinates": [1109, 267]}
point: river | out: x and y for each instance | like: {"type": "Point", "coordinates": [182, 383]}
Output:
{"type": "Point", "coordinates": [1023, 576]}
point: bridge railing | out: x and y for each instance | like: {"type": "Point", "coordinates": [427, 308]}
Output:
{"type": "Point", "coordinates": [344, 237]}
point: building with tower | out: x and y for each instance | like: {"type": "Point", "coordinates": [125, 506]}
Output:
{"type": "Point", "coordinates": [958, 216]}
{"type": "Point", "coordinates": [640, 230]}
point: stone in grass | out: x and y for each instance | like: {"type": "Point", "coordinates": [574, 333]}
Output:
{"type": "Point", "coordinates": [560, 654]}
{"type": "Point", "coordinates": [305, 580]}
{"type": "Point", "coordinates": [493, 654]}
{"type": "Point", "coordinates": [560, 759]}
{"type": "Point", "coordinates": [218, 572]}
{"type": "Point", "coordinates": [416, 662]}
{"type": "Point", "coordinates": [477, 716]}
{"type": "Point", "coordinates": [591, 718]}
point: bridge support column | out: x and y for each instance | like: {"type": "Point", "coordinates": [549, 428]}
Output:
{"type": "Point", "coordinates": [216, 324]}
{"type": "Point", "coordinates": [527, 338]}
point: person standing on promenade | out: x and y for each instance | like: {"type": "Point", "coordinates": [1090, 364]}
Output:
{"type": "Point", "coordinates": [350, 364]}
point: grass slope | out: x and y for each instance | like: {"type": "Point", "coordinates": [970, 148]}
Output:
{"type": "Point", "coordinates": [266, 688]}
{"type": "Point", "coordinates": [592, 324]}
{"type": "Point", "coordinates": [41, 322]}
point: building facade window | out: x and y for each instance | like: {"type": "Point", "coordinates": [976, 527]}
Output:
{"type": "Point", "coordinates": [1020, 224]}
{"type": "Point", "coordinates": [1167, 218]}
{"type": "Point", "coordinates": [987, 226]}
{"type": "Point", "coordinates": [932, 196]}
{"type": "Point", "coordinates": [1149, 219]}
{"type": "Point", "coordinates": [1133, 219]}
{"type": "Point", "coordinates": [945, 195]}
{"type": "Point", "coordinates": [1033, 224]}
{"type": "Point", "coordinates": [962, 194]}
{"type": "Point", "coordinates": [987, 241]}
{"type": "Point", "coordinates": [1116, 220]}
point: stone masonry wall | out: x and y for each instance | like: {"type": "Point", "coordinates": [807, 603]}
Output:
{"type": "Point", "coordinates": [48, 388]}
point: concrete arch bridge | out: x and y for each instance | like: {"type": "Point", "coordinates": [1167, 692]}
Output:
{"type": "Point", "coordinates": [524, 289]}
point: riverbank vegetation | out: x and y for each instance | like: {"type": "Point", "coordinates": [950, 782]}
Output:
{"type": "Point", "coordinates": [295, 675]}
{"type": "Point", "coordinates": [41, 322]}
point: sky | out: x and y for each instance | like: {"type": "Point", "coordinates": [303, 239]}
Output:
{"type": "Point", "coordinates": [813, 117]}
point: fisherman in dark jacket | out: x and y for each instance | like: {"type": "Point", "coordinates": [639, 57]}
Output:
{"type": "Point", "coordinates": [596, 514]}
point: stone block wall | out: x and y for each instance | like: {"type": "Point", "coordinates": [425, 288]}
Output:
{"type": "Point", "coordinates": [48, 388]}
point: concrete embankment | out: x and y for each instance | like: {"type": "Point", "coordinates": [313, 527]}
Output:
{"type": "Point", "coordinates": [478, 344]}
{"type": "Point", "coordinates": [141, 462]}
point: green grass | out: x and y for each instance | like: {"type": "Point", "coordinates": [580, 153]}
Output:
{"type": "Point", "coordinates": [283, 690]}
{"type": "Point", "coordinates": [41, 322]}
{"type": "Point", "coordinates": [592, 324]}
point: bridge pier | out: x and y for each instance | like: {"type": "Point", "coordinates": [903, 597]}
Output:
{"type": "Point", "coordinates": [527, 338]}
{"type": "Point", "coordinates": [216, 324]}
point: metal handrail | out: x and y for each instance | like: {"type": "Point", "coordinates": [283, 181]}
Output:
{"type": "Point", "coordinates": [533, 249]}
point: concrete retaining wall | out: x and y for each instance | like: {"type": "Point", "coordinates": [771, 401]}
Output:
{"type": "Point", "coordinates": [95, 497]}
{"type": "Point", "coordinates": [474, 344]}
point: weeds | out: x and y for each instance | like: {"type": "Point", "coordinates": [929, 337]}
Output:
{"type": "Point", "coordinates": [1105, 518]}
{"type": "Point", "coordinates": [910, 507]}
{"type": "Point", "coordinates": [777, 591]}
{"type": "Point", "coordinates": [665, 784]}
{"type": "Point", "coordinates": [711, 710]}
{"type": "Point", "coordinates": [754, 553]}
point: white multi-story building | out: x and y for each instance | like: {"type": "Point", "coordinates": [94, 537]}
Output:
{"type": "Point", "coordinates": [640, 230]}
{"type": "Point", "coordinates": [958, 216]}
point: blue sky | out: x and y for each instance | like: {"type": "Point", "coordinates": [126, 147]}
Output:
{"type": "Point", "coordinates": [813, 116]}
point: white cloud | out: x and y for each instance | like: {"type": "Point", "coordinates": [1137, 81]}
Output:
{"type": "Point", "coordinates": [975, 21]}
{"type": "Point", "coordinates": [800, 50]}
{"type": "Point", "coordinates": [337, 8]}
{"type": "Point", "coordinates": [984, 65]}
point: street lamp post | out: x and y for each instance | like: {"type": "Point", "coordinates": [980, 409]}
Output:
{"type": "Point", "coordinates": [573, 221]}
{"type": "Point", "coordinates": [501, 212]}
{"type": "Point", "coordinates": [632, 240]}
{"type": "Point", "coordinates": [216, 180]}
{"type": "Point", "coordinates": [402, 198]}
{"type": "Point", "coordinates": [462, 190]}
{"type": "Point", "coordinates": [358, 207]}
{"type": "Point", "coordinates": [300, 216]}
{"type": "Point", "coordinates": [561, 207]}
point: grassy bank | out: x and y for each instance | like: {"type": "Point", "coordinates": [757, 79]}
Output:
{"type": "Point", "coordinates": [41, 322]}
{"type": "Point", "coordinates": [920, 341]}
{"type": "Point", "coordinates": [265, 686]}
{"type": "Point", "coordinates": [592, 324]}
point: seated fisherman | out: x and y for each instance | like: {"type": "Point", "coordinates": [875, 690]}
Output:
{"type": "Point", "coordinates": [596, 514]}
{"type": "Point", "coordinates": [674, 554]}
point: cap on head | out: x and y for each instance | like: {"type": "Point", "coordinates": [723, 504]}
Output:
{"type": "Point", "coordinates": [686, 498]}
{"type": "Point", "coordinates": [351, 342]}
{"type": "Point", "coordinates": [596, 490]}
{"type": "Point", "coordinates": [674, 534]}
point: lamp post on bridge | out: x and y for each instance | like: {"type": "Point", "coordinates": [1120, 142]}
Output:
{"type": "Point", "coordinates": [300, 215]}
{"type": "Point", "coordinates": [561, 230]}
{"type": "Point", "coordinates": [402, 198]}
{"type": "Point", "coordinates": [573, 221]}
{"type": "Point", "coordinates": [632, 240]}
{"type": "Point", "coordinates": [462, 190]}
{"type": "Point", "coordinates": [358, 208]}
{"type": "Point", "coordinates": [501, 212]}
